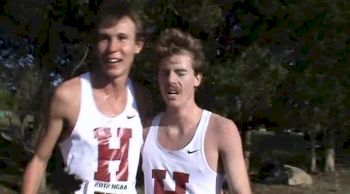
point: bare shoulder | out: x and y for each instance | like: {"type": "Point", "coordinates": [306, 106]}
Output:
{"type": "Point", "coordinates": [66, 95]}
{"type": "Point", "coordinates": [223, 131]}
{"type": "Point", "coordinates": [68, 89]}
{"type": "Point", "coordinates": [221, 124]}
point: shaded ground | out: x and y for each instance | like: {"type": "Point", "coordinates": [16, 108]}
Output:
{"type": "Point", "coordinates": [336, 183]}
{"type": "Point", "coordinates": [292, 150]}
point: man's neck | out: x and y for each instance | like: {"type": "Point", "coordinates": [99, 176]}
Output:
{"type": "Point", "coordinates": [112, 87]}
{"type": "Point", "coordinates": [181, 117]}
{"type": "Point", "coordinates": [110, 95]}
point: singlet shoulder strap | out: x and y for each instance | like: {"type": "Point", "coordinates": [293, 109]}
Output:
{"type": "Point", "coordinates": [156, 120]}
{"type": "Point", "coordinates": [131, 95]}
{"type": "Point", "coordinates": [155, 124]}
{"type": "Point", "coordinates": [203, 126]}
{"type": "Point", "coordinates": [86, 89]}
{"type": "Point", "coordinates": [152, 134]}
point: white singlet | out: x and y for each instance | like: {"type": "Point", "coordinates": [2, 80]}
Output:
{"type": "Point", "coordinates": [183, 171]}
{"type": "Point", "coordinates": [104, 151]}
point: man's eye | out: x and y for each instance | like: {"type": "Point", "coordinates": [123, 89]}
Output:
{"type": "Point", "coordinates": [181, 73]}
{"type": "Point", "coordinates": [122, 37]}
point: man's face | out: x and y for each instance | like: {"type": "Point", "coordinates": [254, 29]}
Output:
{"type": "Point", "coordinates": [117, 46]}
{"type": "Point", "coordinates": [177, 80]}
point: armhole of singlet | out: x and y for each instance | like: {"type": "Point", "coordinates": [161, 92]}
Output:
{"type": "Point", "coordinates": [83, 79]}
{"type": "Point", "coordinates": [207, 116]}
{"type": "Point", "coordinates": [85, 94]}
{"type": "Point", "coordinates": [131, 101]}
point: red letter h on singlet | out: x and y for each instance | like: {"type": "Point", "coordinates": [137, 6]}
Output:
{"type": "Point", "coordinates": [105, 154]}
{"type": "Point", "coordinates": [180, 180]}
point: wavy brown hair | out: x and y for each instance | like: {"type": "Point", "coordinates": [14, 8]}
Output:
{"type": "Point", "coordinates": [173, 41]}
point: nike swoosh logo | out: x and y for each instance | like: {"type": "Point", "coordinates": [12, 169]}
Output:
{"type": "Point", "coordinates": [193, 151]}
{"type": "Point", "coordinates": [130, 116]}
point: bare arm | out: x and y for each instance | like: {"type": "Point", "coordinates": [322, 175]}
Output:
{"type": "Point", "coordinates": [231, 153]}
{"type": "Point", "coordinates": [36, 168]}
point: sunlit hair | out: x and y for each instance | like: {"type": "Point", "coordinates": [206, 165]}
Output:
{"type": "Point", "coordinates": [111, 11]}
{"type": "Point", "coordinates": [174, 41]}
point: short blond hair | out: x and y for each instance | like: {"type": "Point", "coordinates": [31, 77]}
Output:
{"type": "Point", "coordinates": [112, 11]}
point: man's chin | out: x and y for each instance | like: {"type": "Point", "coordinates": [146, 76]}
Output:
{"type": "Point", "coordinates": [112, 75]}
{"type": "Point", "coordinates": [172, 105]}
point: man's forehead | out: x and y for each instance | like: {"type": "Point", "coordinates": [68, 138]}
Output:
{"type": "Point", "coordinates": [110, 22]}
{"type": "Point", "coordinates": [181, 58]}
{"type": "Point", "coordinates": [172, 68]}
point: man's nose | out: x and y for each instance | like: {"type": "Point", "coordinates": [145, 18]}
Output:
{"type": "Point", "coordinates": [172, 77]}
{"type": "Point", "coordinates": [114, 45]}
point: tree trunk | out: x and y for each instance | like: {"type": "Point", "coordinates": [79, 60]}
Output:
{"type": "Point", "coordinates": [329, 160]}
{"type": "Point", "coordinates": [329, 165]}
{"type": "Point", "coordinates": [313, 164]}
{"type": "Point", "coordinates": [247, 147]}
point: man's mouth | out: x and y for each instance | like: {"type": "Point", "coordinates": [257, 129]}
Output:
{"type": "Point", "coordinates": [114, 60]}
{"type": "Point", "coordinates": [173, 91]}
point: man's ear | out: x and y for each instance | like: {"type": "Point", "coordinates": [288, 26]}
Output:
{"type": "Point", "coordinates": [198, 79]}
{"type": "Point", "coordinates": [139, 46]}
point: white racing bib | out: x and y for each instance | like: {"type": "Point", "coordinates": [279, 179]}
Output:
{"type": "Point", "coordinates": [97, 187]}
